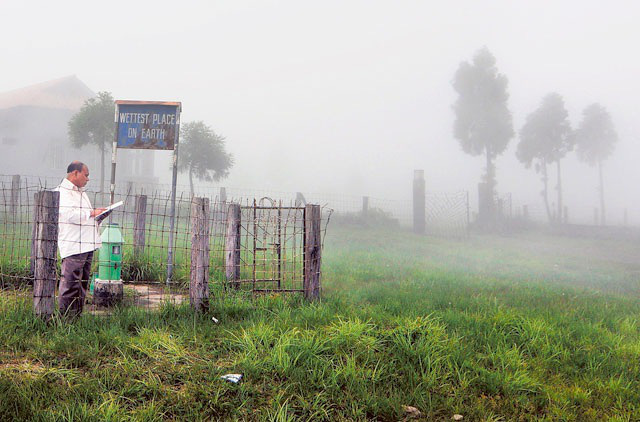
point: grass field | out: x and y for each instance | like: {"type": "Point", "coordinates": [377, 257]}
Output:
{"type": "Point", "coordinates": [526, 327]}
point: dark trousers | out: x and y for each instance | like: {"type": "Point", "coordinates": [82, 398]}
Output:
{"type": "Point", "coordinates": [76, 271]}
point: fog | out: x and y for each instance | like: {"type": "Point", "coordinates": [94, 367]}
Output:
{"type": "Point", "coordinates": [349, 97]}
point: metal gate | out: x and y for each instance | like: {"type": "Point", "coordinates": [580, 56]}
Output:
{"type": "Point", "coordinates": [272, 247]}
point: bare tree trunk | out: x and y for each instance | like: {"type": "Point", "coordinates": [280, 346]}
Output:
{"type": "Point", "coordinates": [602, 209]}
{"type": "Point", "coordinates": [559, 188]}
{"type": "Point", "coordinates": [545, 190]}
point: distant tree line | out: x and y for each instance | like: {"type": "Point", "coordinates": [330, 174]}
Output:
{"type": "Point", "coordinates": [483, 126]}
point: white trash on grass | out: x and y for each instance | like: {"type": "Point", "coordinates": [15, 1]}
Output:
{"type": "Point", "coordinates": [234, 378]}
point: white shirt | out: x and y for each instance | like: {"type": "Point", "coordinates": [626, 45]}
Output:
{"type": "Point", "coordinates": [77, 230]}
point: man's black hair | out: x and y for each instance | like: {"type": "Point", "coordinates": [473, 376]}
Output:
{"type": "Point", "coordinates": [75, 165]}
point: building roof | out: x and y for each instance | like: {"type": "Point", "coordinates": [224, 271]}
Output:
{"type": "Point", "coordinates": [67, 93]}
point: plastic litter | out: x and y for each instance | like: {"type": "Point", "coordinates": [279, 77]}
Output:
{"type": "Point", "coordinates": [234, 378]}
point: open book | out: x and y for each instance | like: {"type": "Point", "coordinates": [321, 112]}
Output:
{"type": "Point", "coordinates": [104, 214]}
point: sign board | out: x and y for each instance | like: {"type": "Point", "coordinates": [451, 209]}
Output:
{"type": "Point", "coordinates": [147, 124]}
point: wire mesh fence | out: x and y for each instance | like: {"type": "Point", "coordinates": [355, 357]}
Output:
{"type": "Point", "coordinates": [537, 213]}
{"type": "Point", "coordinates": [270, 245]}
{"type": "Point", "coordinates": [446, 213]}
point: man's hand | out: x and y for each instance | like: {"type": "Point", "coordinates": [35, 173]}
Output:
{"type": "Point", "coordinates": [97, 211]}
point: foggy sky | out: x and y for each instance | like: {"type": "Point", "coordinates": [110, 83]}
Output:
{"type": "Point", "coordinates": [348, 96]}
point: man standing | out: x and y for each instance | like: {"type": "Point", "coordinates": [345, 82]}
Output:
{"type": "Point", "coordinates": [77, 239]}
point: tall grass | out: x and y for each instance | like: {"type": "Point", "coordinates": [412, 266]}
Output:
{"type": "Point", "coordinates": [488, 328]}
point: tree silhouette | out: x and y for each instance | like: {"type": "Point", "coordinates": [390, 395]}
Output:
{"type": "Point", "coordinates": [595, 141]}
{"type": "Point", "coordinates": [202, 153]}
{"type": "Point", "coordinates": [93, 124]}
{"type": "Point", "coordinates": [483, 122]}
{"type": "Point", "coordinates": [546, 138]}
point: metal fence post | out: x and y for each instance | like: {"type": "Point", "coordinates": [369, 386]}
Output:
{"type": "Point", "coordinates": [34, 231]}
{"type": "Point", "coordinates": [199, 285]}
{"type": "Point", "coordinates": [312, 252]}
{"type": "Point", "coordinates": [172, 216]}
{"type": "Point", "coordinates": [44, 285]}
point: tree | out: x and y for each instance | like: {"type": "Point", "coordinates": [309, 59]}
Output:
{"type": "Point", "coordinates": [93, 124]}
{"type": "Point", "coordinates": [595, 139]}
{"type": "Point", "coordinates": [546, 138]}
{"type": "Point", "coordinates": [202, 153]}
{"type": "Point", "coordinates": [483, 122]}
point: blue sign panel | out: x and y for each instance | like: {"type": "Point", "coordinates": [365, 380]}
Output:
{"type": "Point", "coordinates": [147, 125]}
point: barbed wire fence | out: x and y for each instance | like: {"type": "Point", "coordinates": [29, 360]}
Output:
{"type": "Point", "coordinates": [270, 235]}
{"type": "Point", "coordinates": [267, 246]}
{"type": "Point", "coordinates": [447, 214]}
{"type": "Point", "coordinates": [535, 212]}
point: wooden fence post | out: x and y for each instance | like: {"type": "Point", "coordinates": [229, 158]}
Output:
{"type": "Point", "coordinates": [44, 285]}
{"type": "Point", "coordinates": [130, 188]}
{"type": "Point", "coordinates": [232, 245]}
{"type": "Point", "coordinates": [223, 195]}
{"type": "Point", "coordinates": [419, 204]}
{"type": "Point", "coordinates": [220, 211]}
{"type": "Point", "coordinates": [300, 199]}
{"type": "Point", "coordinates": [312, 251]}
{"type": "Point", "coordinates": [468, 213]}
{"type": "Point", "coordinates": [199, 285]}
{"type": "Point", "coordinates": [487, 212]}
{"type": "Point", "coordinates": [139, 224]}
{"type": "Point", "coordinates": [15, 193]}
{"type": "Point", "coordinates": [365, 206]}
